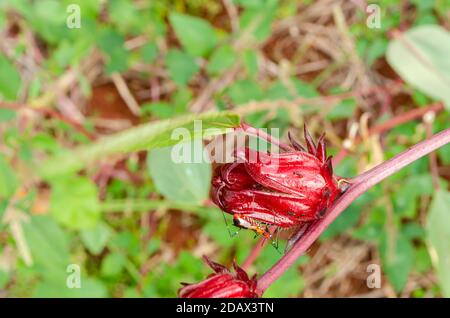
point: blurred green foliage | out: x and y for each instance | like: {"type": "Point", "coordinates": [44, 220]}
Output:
{"type": "Point", "coordinates": [116, 255]}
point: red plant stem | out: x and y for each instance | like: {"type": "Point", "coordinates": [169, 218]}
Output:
{"type": "Point", "coordinates": [51, 113]}
{"type": "Point", "coordinates": [259, 133]}
{"type": "Point", "coordinates": [378, 129]}
{"type": "Point", "coordinates": [405, 117]}
{"type": "Point", "coordinates": [391, 123]}
{"type": "Point", "coordinates": [257, 249]}
{"type": "Point", "coordinates": [359, 185]}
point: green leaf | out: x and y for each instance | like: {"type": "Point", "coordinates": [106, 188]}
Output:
{"type": "Point", "coordinates": [187, 181]}
{"type": "Point", "coordinates": [149, 52]}
{"type": "Point", "coordinates": [244, 91]}
{"type": "Point", "coordinates": [160, 109]}
{"type": "Point", "coordinates": [124, 15]}
{"type": "Point", "coordinates": [406, 197]}
{"type": "Point", "coordinates": [426, 19]}
{"type": "Point", "coordinates": [144, 137]}
{"type": "Point", "coordinates": [397, 255]}
{"type": "Point", "coordinates": [196, 35]}
{"type": "Point", "coordinates": [344, 109]}
{"type": "Point", "coordinates": [181, 66]}
{"type": "Point", "coordinates": [376, 50]}
{"type": "Point", "coordinates": [278, 91]}
{"type": "Point", "coordinates": [90, 288]}
{"type": "Point", "coordinates": [420, 57]}
{"type": "Point", "coordinates": [257, 20]}
{"type": "Point", "coordinates": [4, 278]}
{"type": "Point", "coordinates": [442, 7]}
{"type": "Point", "coordinates": [46, 18]}
{"type": "Point", "coordinates": [444, 154]}
{"type": "Point", "coordinates": [422, 260]}
{"type": "Point", "coordinates": [70, 52]}
{"type": "Point", "coordinates": [424, 5]}
{"type": "Point", "coordinates": [188, 268]}
{"type": "Point", "coordinates": [74, 202]}
{"type": "Point", "coordinates": [113, 264]}
{"type": "Point", "coordinates": [113, 46]}
{"type": "Point", "coordinates": [222, 59]}
{"type": "Point", "coordinates": [438, 233]}
{"type": "Point", "coordinates": [127, 243]}
{"type": "Point", "coordinates": [8, 180]}
{"type": "Point", "coordinates": [368, 232]}
{"type": "Point", "coordinates": [10, 81]}
{"type": "Point", "coordinates": [250, 59]}
{"type": "Point", "coordinates": [413, 231]}
{"type": "Point", "coordinates": [49, 246]}
{"type": "Point", "coordinates": [291, 283]}
{"type": "Point", "coordinates": [2, 19]}
{"type": "Point", "coordinates": [216, 228]}
{"type": "Point", "coordinates": [95, 239]}
{"type": "Point", "coordinates": [249, 3]}
{"type": "Point", "coordinates": [181, 99]}
{"type": "Point", "coordinates": [349, 218]}
{"type": "Point", "coordinates": [7, 114]}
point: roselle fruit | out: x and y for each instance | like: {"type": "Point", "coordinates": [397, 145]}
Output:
{"type": "Point", "coordinates": [285, 189]}
{"type": "Point", "coordinates": [222, 284]}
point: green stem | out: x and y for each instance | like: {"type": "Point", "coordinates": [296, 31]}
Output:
{"type": "Point", "coordinates": [143, 205]}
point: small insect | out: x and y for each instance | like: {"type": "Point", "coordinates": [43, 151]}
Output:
{"type": "Point", "coordinates": [283, 190]}
{"type": "Point", "coordinates": [250, 224]}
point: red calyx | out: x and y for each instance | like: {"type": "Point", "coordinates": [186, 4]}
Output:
{"type": "Point", "coordinates": [222, 284]}
{"type": "Point", "coordinates": [284, 189]}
